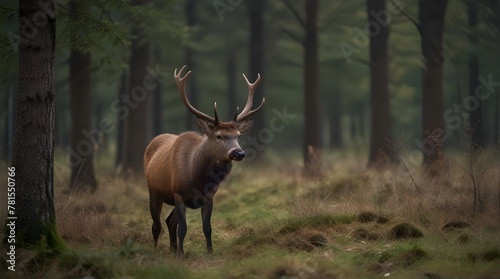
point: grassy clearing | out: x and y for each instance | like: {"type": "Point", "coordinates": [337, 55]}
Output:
{"type": "Point", "coordinates": [269, 222]}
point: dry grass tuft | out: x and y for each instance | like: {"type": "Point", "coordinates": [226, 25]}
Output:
{"type": "Point", "coordinates": [364, 234]}
{"type": "Point", "coordinates": [454, 225]}
{"type": "Point", "coordinates": [306, 240]}
{"type": "Point", "coordinates": [367, 216]}
{"type": "Point", "coordinates": [98, 219]}
{"type": "Point", "coordinates": [405, 192]}
{"type": "Point", "coordinates": [299, 239]}
{"type": "Point", "coordinates": [315, 221]}
{"type": "Point", "coordinates": [84, 219]}
{"type": "Point", "coordinates": [404, 231]}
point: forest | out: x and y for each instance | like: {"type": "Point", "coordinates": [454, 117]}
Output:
{"type": "Point", "coordinates": [371, 148]}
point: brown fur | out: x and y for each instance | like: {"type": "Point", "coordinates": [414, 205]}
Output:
{"type": "Point", "coordinates": [169, 157]}
{"type": "Point", "coordinates": [185, 170]}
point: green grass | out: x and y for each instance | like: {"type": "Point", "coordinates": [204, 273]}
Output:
{"type": "Point", "coordinates": [269, 222]}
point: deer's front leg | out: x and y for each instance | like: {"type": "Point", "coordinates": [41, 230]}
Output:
{"type": "Point", "coordinates": [172, 230]}
{"type": "Point", "coordinates": [180, 208]}
{"type": "Point", "coordinates": [206, 214]}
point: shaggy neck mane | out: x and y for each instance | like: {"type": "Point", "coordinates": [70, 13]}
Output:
{"type": "Point", "coordinates": [210, 172]}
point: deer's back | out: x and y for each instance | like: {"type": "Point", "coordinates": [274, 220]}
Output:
{"type": "Point", "coordinates": [166, 160]}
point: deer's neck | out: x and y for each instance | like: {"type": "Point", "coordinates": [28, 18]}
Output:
{"type": "Point", "coordinates": [211, 172]}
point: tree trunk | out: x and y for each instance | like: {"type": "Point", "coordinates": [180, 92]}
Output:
{"type": "Point", "coordinates": [362, 124]}
{"type": "Point", "coordinates": [82, 141]}
{"type": "Point", "coordinates": [432, 14]}
{"type": "Point", "coordinates": [353, 126]}
{"type": "Point", "coordinates": [33, 157]}
{"type": "Point", "coordinates": [231, 81]}
{"type": "Point", "coordinates": [4, 139]}
{"type": "Point", "coordinates": [257, 56]}
{"type": "Point", "coordinates": [457, 133]}
{"type": "Point", "coordinates": [9, 125]}
{"type": "Point", "coordinates": [475, 121]}
{"type": "Point", "coordinates": [138, 128]}
{"type": "Point", "coordinates": [496, 122]}
{"type": "Point", "coordinates": [313, 125]}
{"type": "Point", "coordinates": [157, 103]}
{"type": "Point", "coordinates": [192, 83]}
{"type": "Point", "coordinates": [138, 131]}
{"type": "Point", "coordinates": [120, 135]}
{"type": "Point", "coordinates": [380, 125]}
{"type": "Point", "coordinates": [335, 126]}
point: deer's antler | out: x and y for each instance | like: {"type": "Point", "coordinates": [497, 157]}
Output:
{"type": "Point", "coordinates": [247, 111]}
{"type": "Point", "coordinates": [181, 86]}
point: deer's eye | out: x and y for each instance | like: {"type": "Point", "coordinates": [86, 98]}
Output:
{"type": "Point", "coordinates": [219, 137]}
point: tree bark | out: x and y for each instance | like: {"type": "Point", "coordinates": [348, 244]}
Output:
{"type": "Point", "coordinates": [496, 129]}
{"type": "Point", "coordinates": [432, 14]}
{"type": "Point", "coordinates": [4, 139]}
{"type": "Point", "coordinates": [380, 120]}
{"type": "Point", "coordinates": [33, 157]}
{"type": "Point", "coordinates": [81, 146]}
{"type": "Point", "coordinates": [257, 57]}
{"type": "Point", "coordinates": [8, 125]}
{"type": "Point", "coordinates": [313, 124]}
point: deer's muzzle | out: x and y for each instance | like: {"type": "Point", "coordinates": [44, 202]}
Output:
{"type": "Point", "coordinates": [237, 155]}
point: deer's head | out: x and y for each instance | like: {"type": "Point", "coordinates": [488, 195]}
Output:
{"type": "Point", "coordinates": [222, 137]}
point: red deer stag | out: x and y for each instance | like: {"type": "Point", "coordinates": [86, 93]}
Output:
{"type": "Point", "coordinates": [185, 170]}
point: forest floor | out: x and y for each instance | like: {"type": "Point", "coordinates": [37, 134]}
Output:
{"type": "Point", "coordinates": [270, 222]}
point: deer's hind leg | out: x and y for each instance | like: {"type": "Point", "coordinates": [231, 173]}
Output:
{"type": "Point", "coordinates": [172, 223]}
{"type": "Point", "coordinates": [155, 206]}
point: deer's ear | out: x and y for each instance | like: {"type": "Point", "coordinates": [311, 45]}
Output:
{"type": "Point", "coordinates": [245, 125]}
{"type": "Point", "coordinates": [204, 126]}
